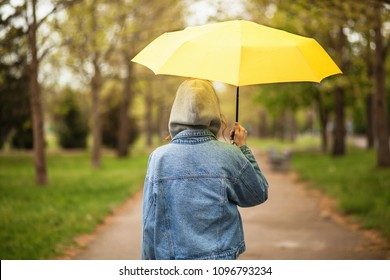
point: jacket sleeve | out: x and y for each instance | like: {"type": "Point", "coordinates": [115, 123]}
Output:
{"type": "Point", "coordinates": [250, 187]}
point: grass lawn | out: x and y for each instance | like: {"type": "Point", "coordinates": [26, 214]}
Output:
{"type": "Point", "coordinates": [40, 222]}
{"type": "Point", "coordinates": [360, 188]}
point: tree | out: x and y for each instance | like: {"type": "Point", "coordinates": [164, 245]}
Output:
{"type": "Point", "coordinates": [324, 108]}
{"type": "Point", "coordinates": [27, 10]}
{"type": "Point", "coordinates": [140, 25]}
{"type": "Point", "coordinates": [339, 131]}
{"type": "Point", "coordinates": [90, 37]}
{"type": "Point", "coordinates": [35, 96]}
{"type": "Point", "coordinates": [380, 104]}
{"type": "Point", "coordinates": [112, 101]}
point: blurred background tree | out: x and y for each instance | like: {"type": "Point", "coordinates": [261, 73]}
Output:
{"type": "Point", "coordinates": [23, 15]}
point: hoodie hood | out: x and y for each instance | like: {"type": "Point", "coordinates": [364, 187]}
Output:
{"type": "Point", "coordinates": [196, 106]}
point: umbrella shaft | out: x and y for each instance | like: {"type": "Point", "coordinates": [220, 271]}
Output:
{"type": "Point", "coordinates": [237, 103]}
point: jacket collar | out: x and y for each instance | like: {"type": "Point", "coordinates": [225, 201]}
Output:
{"type": "Point", "coordinates": [193, 136]}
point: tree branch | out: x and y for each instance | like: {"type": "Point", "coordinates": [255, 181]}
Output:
{"type": "Point", "coordinates": [42, 20]}
{"type": "Point", "coordinates": [46, 52]}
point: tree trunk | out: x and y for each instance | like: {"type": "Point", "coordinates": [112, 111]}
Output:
{"type": "Point", "coordinates": [339, 127]}
{"type": "Point", "coordinates": [36, 106]}
{"type": "Point", "coordinates": [148, 116]}
{"type": "Point", "coordinates": [123, 131]}
{"type": "Point", "coordinates": [380, 104]}
{"type": "Point", "coordinates": [369, 59]}
{"type": "Point", "coordinates": [96, 123]}
{"type": "Point", "coordinates": [263, 126]}
{"type": "Point", "coordinates": [95, 90]}
{"type": "Point", "coordinates": [162, 116]}
{"type": "Point", "coordinates": [324, 131]}
{"type": "Point", "coordinates": [324, 117]}
{"type": "Point", "coordinates": [278, 127]}
{"type": "Point", "coordinates": [338, 148]}
{"type": "Point", "coordinates": [370, 121]}
{"type": "Point", "coordinates": [289, 126]}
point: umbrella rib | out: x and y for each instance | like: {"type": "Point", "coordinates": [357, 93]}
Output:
{"type": "Point", "coordinates": [239, 58]}
{"type": "Point", "coordinates": [318, 79]}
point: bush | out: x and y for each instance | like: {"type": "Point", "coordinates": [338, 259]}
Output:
{"type": "Point", "coordinates": [110, 122]}
{"type": "Point", "coordinates": [15, 111]}
{"type": "Point", "coordinates": [22, 138]}
{"type": "Point", "coordinates": [70, 122]}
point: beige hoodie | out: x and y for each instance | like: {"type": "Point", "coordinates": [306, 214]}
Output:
{"type": "Point", "coordinates": [196, 106]}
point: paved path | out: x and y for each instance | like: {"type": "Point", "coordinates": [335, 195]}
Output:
{"type": "Point", "coordinates": [295, 223]}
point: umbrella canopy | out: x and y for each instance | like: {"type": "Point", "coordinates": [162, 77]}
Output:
{"type": "Point", "coordinates": [239, 53]}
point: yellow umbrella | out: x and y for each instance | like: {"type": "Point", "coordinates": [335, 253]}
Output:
{"type": "Point", "coordinates": [239, 53]}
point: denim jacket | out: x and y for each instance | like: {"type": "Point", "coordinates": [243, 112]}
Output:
{"type": "Point", "coordinates": [192, 189]}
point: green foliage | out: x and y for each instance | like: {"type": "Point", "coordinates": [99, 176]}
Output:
{"type": "Point", "coordinates": [41, 222]}
{"type": "Point", "coordinates": [282, 102]}
{"type": "Point", "coordinates": [285, 96]}
{"type": "Point", "coordinates": [360, 189]}
{"type": "Point", "coordinates": [70, 120]}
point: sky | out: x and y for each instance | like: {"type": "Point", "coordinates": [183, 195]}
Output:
{"type": "Point", "coordinates": [200, 11]}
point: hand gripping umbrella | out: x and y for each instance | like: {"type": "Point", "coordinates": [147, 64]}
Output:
{"type": "Point", "coordinates": [239, 53]}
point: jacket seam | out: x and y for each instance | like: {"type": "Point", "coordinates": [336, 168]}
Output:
{"type": "Point", "coordinates": [230, 252]}
{"type": "Point", "coordinates": [193, 177]}
{"type": "Point", "coordinates": [168, 229]}
{"type": "Point", "coordinates": [248, 187]}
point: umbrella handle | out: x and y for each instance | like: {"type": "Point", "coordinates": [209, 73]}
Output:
{"type": "Point", "coordinates": [237, 105]}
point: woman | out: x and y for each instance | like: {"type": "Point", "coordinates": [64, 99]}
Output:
{"type": "Point", "coordinates": [194, 184]}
